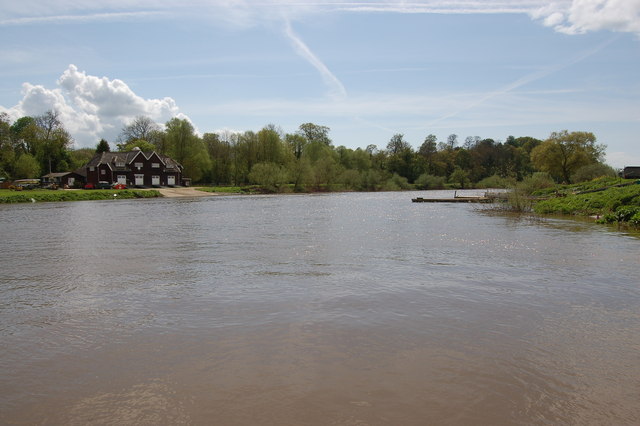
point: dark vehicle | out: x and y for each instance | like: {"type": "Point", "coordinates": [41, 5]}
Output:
{"type": "Point", "coordinates": [89, 186]}
{"type": "Point", "coordinates": [103, 185]}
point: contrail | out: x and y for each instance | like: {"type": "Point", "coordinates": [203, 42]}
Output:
{"type": "Point", "coordinates": [528, 79]}
{"type": "Point", "coordinates": [336, 88]}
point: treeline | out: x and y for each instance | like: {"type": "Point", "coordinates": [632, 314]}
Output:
{"type": "Point", "coordinates": [307, 159]}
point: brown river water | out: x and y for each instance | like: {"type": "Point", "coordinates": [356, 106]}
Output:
{"type": "Point", "coordinates": [339, 309]}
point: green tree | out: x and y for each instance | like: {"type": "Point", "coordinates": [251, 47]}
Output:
{"type": "Point", "coordinates": [220, 153]}
{"type": "Point", "coordinates": [26, 167]}
{"type": "Point", "coordinates": [103, 146]}
{"type": "Point", "coordinates": [80, 157]}
{"type": "Point", "coordinates": [187, 148]}
{"type": "Point", "coordinates": [460, 177]}
{"type": "Point", "coordinates": [143, 145]}
{"type": "Point", "coordinates": [53, 142]}
{"type": "Point", "coordinates": [270, 176]}
{"type": "Point", "coordinates": [563, 153]}
{"type": "Point", "coordinates": [270, 148]}
{"type": "Point", "coordinates": [296, 144]}
{"type": "Point", "coordinates": [315, 133]}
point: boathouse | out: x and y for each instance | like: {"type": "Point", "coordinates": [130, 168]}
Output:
{"type": "Point", "coordinates": [134, 168]}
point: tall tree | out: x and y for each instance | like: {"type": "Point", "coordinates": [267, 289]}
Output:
{"type": "Point", "coordinates": [54, 141]}
{"type": "Point", "coordinates": [103, 146]}
{"type": "Point", "coordinates": [187, 148]}
{"type": "Point", "coordinates": [563, 153]}
{"type": "Point", "coordinates": [140, 128]}
{"type": "Point", "coordinates": [315, 133]}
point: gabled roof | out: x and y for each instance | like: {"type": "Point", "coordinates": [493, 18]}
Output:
{"type": "Point", "coordinates": [111, 158]}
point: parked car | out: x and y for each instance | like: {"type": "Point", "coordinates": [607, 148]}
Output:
{"type": "Point", "coordinates": [103, 184]}
{"type": "Point", "coordinates": [89, 186]}
{"type": "Point", "coordinates": [119, 186]}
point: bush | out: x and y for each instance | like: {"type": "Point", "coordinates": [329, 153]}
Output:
{"type": "Point", "coordinates": [536, 182]}
{"type": "Point", "coordinates": [495, 181]}
{"type": "Point", "coordinates": [427, 181]}
{"type": "Point", "coordinates": [591, 172]}
{"type": "Point", "coordinates": [396, 183]}
{"type": "Point", "coordinates": [270, 176]}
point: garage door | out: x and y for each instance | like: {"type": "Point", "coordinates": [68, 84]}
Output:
{"type": "Point", "coordinates": [155, 180]}
{"type": "Point", "coordinates": [171, 180]}
{"type": "Point", "coordinates": [139, 180]}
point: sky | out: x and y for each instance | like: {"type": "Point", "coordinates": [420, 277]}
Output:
{"type": "Point", "coordinates": [366, 69]}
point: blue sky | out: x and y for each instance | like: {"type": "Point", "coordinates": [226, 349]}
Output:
{"type": "Point", "coordinates": [365, 69]}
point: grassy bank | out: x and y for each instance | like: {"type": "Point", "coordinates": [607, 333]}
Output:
{"type": "Point", "coordinates": [41, 195]}
{"type": "Point", "coordinates": [610, 200]}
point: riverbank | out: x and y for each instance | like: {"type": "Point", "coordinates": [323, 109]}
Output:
{"type": "Point", "coordinates": [607, 200]}
{"type": "Point", "coordinates": [45, 195]}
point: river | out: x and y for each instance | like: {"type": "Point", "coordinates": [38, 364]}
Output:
{"type": "Point", "coordinates": [336, 309]}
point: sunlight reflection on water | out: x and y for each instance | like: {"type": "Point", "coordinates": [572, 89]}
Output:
{"type": "Point", "coordinates": [313, 309]}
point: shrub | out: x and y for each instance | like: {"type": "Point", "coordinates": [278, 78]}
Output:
{"type": "Point", "coordinates": [592, 171]}
{"type": "Point", "coordinates": [536, 182]}
{"type": "Point", "coordinates": [495, 181]}
{"type": "Point", "coordinates": [427, 181]}
{"type": "Point", "coordinates": [396, 183]}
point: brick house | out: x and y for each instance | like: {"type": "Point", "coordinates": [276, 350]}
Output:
{"type": "Point", "coordinates": [134, 168]}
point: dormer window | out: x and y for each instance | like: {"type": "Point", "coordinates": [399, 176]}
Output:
{"type": "Point", "coordinates": [155, 165]}
{"type": "Point", "coordinates": [138, 165]}
{"type": "Point", "coordinates": [119, 163]}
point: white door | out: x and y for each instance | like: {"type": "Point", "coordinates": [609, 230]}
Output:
{"type": "Point", "coordinates": [71, 181]}
{"type": "Point", "coordinates": [139, 180]}
{"type": "Point", "coordinates": [171, 180]}
{"type": "Point", "coordinates": [122, 179]}
{"type": "Point", "coordinates": [155, 180]}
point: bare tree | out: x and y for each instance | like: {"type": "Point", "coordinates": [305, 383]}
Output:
{"type": "Point", "coordinates": [140, 128]}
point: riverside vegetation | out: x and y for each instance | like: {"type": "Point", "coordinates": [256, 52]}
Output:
{"type": "Point", "coordinates": [307, 160]}
{"type": "Point", "coordinates": [608, 199]}
{"type": "Point", "coordinates": [272, 161]}
{"type": "Point", "coordinates": [8, 196]}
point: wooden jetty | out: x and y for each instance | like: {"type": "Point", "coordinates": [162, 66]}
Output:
{"type": "Point", "coordinates": [487, 198]}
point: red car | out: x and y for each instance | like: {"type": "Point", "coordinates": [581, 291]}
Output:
{"type": "Point", "coordinates": [119, 186]}
{"type": "Point", "coordinates": [89, 186]}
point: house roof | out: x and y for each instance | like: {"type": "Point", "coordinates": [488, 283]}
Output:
{"type": "Point", "coordinates": [56, 175]}
{"type": "Point", "coordinates": [112, 159]}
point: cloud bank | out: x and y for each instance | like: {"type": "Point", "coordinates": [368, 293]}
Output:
{"type": "Point", "coordinates": [91, 107]}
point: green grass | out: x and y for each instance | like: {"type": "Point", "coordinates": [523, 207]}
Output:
{"type": "Point", "coordinates": [44, 195]}
{"type": "Point", "coordinates": [611, 204]}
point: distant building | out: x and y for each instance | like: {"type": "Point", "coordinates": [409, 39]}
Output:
{"type": "Point", "coordinates": [68, 179]}
{"type": "Point", "coordinates": [134, 168]}
{"type": "Point", "coordinates": [631, 172]}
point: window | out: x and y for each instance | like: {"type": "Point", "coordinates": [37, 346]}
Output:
{"type": "Point", "coordinates": [119, 164]}
{"type": "Point", "coordinates": [138, 165]}
{"type": "Point", "coordinates": [91, 169]}
{"type": "Point", "coordinates": [103, 171]}
{"type": "Point", "coordinates": [155, 165]}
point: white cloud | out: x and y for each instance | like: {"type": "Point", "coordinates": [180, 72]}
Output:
{"type": "Point", "coordinates": [582, 16]}
{"type": "Point", "coordinates": [92, 107]}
